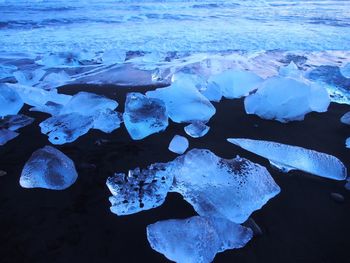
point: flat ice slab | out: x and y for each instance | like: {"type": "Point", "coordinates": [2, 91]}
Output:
{"type": "Point", "coordinates": [196, 239]}
{"type": "Point", "coordinates": [178, 144]}
{"type": "Point", "coordinates": [294, 157]}
{"type": "Point", "coordinates": [48, 168]}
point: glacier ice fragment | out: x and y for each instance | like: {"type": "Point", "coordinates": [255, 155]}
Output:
{"type": "Point", "coordinates": [178, 144]}
{"type": "Point", "coordinates": [10, 101]}
{"type": "Point", "coordinates": [7, 135]}
{"type": "Point", "coordinates": [197, 129]}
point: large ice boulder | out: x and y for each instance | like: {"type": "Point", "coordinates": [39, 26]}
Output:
{"type": "Point", "coordinates": [286, 99]}
{"type": "Point", "coordinates": [196, 239]}
{"type": "Point", "coordinates": [10, 102]}
{"type": "Point", "coordinates": [48, 168]}
{"type": "Point", "coordinates": [288, 157]}
{"type": "Point", "coordinates": [234, 83]}
{"type": "Point", "coordinates": [144, 116]}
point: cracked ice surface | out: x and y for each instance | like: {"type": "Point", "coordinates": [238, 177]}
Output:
{"type": "Point", "coordinates": [48, 168]}
{"type": "Point", "coordinates": [294, 157]}
{"type": "Point", "coordinates": [196, 239]}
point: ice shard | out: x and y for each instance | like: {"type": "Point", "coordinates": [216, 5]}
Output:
{"type": "Point", "coordinates": [144, 116]}
{"type": "Point", "coordinates": [139, 189]}
{"type": "Point", "coordinates": [217, 187]}
{"type": "Point", "coordinates": [7, 135]}
{"type": "Point", "coordinates": [196, 239]}
{"type": "Point", "coordinates": [48, 168]}
{"type": "Point", "coordinates": [10, 101]}
{"type": "Point", "coordinates": [15, 122]}
{"type": "Point", "coordinates": [293, 157]}
{"type": "Point", "coordinates": [107, 120]}
{"type": "Point", "coordinates": [197, 129]}
{"type": "Point", "coordinates": [178, 144]}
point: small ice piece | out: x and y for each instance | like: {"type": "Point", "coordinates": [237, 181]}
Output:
{"type": "Point", "coordinates": [347, 143]}
{"type": "Point", "coordinates": [140, 189]}
{"type": "Point", "coordinates": [196, 239]}
{"type": "Point", "coordinates": [310, 161]}
{"type": "Point", "coordinates": [286, 99]}
{"type": "Point", "coordinates": [66, 128]}
{"type": "Point", "coordinates": [346, 118]}
{"type": "Point", "coordinates": [7, 135]}
{"type": "Point", "coordinates": [10, 101]}
{"type": "Point", "coordinates": [15, 122]}
{"type": "Point", "coordinates": [107, 120]}
{"type": "Point", "coordinates": [235, 83]}
{"type": "Point", "coordinates": [290, 71]}
{"type": "Point", "coordinates": [48, 168]}
{"type": "Point", "coordinates": [88, 104]}
{"type": "Point", "coordinates": [184, 102]}
{"type": "Point", "coordinates": [144, 116]}
{"type": "Point", "coordinates": [178, 144]}
{"type": "Point", "coordinates": [217, 187]}
{"type": "Point", "coordinates": [197, 129]}
{"type": "Point", "coordinates": [345, 71]}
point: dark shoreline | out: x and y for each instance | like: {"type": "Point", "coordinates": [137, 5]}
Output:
{"type": "Point", "coordinates": [301, 224]}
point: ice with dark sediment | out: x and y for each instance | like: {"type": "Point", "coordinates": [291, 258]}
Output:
{"type": "Point", "coordinates": [346, 118]}
{"type": "Point", "coordinates": [15, 122]}
{"type": "Point", "coordinates": [235, 83]}
{"type": "Point", "coordinates": [286, 99]}
{"type": "Point", "coordinates": [7, 135]}
{"type": "Point", "coordinates": [196, 239]}
{"type": "Point", "coordinates": [290, 157]}
{"type": "Point", "coordinates": [196, 129]}
{"type": "Point", "coordinates": [184, 102]}
{"type": "Point", "coordinates": [178, 144]}
{"type": "Point", "coordinates": [139, 190]}
{"type": "Point", "coordinates": [10, 102]}
{"type": "Point", "coordinates": [48, 168]}
{"type": "Point", "coordinates": [66, 128]}
{"type": "Point", "coordinates": [144, 116]}
{"type": "Point", "coordinates": [217, 187]}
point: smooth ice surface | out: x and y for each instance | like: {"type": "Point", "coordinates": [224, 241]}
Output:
{"type": "Point", "coordinates": [48, 168]}
{"type": "Point", "coordinates": [346, 118]}
{"type": "Point", "coordinates": [139, 189]}
{"type": "Point", "coordinates": [66, 128]}
{"type": "Point", "coordinates": [196, 239]}
{"type": "Point", "coordinates": [178, 144]}
{"type": "Point", "coordinates": [196, 129]}
{"type": "Point", "coordinates": [7, 135]}
{"type": "Point", "coordinates": [286, 99]}
{"type": "Point", "coordinates": [217, 187]}
{"type": "Point", "coordinates": [310, 161]}
{"type": "Point", "coordinates": [144, 116]}
{"type": "Point", "coordinates": [10, 101]}
{"type": "Point", "coordinates": [235, 83]}
{"type": "Point", "coordinates": [15, 122]}
{"type": "Point", "coordinates": [184, 102]}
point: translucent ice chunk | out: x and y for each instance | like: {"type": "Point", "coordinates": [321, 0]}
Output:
{"type": "Point", "coordinates": [286, 99]}
{"type": "Point", "coordinates": [217, 187]}
{"type": "Point", "coordinates": [290, 71]}
{"type": "Point", "coordinates": [10, 101]}
{"type": "Point", "coordinates": [48, 168]}
{"type": "Point", "coordinates": [235, 83]}
{"type": "Point", "coordinates": [346, 118]}
{"type": "Point", "coordinates": [144, 116]}
{"type": "Point", "coordinates": [310, 161]}
{"type": "Point", "coordinates": [184, 102]}
{"type": "Point", "coordinates": [178, 144]}
{"type": "Point", "coordinates": [7, 135]}
{"type": "Point", "coordinates": [139, 189]}
{"type": "Point", "coordinates": [107, 120]}
{"type": "Point", "coordinates": [197, 129]}
{"type": "Point", "coordinates": [66, 128]}
{"type": "Point", "coordinates": [15, 122]}
{"type": "Point", "coordinates": [196, 239]}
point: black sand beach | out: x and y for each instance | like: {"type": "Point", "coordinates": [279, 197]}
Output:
{"type": "Point", "coordinates": [302, 224]}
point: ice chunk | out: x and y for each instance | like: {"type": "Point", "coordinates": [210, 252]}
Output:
{"type": "Point", "coordinates": [48, 168]}
{"type": "Point", "coordinates": [196, 239]}
{"type": "Point", "coordinates": [290, 71]}
{"type": "Point", "coordinates": [217, 187]}
{"type": "Point", "coordinates": [310, 161]}
{"type": "Point", "coordinates": [29, 77]}
{"type": "Point", "coordinates": [196, 129]}
{"type": "Point", "coordinates": [15, 122]}
{"type": "Point", "coordinates": [346, 118]}
{"type": "Point", "coordinates": [178, 144]}
{"type": "Point", "coordinates": [212, 92]}
{"type": "Point", "coordinates": [286, 99]}
{"type": "Point", "coordinates": [10, 101]}
{"type": "Point", "coordinates": [7, 135]}
{"type": "Point", "coordinates": [66, 128]}
{"type": "Point", "coordinates": [55, 79]}
{"type": "Point", "coordinates": [144, 116]}
{"type": "Point", "coordinates": [139, 189]}
{"type": "Point", "coordinates": [345, 71]}
{"type": "Point", "coordinates": [235, 83]}
{"type": "Point", "coordinates": [184, 102]}
{"type": "Point", "coordinates": [107, 120]}
{"type": "Point", "coordinates": [88, 104]}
